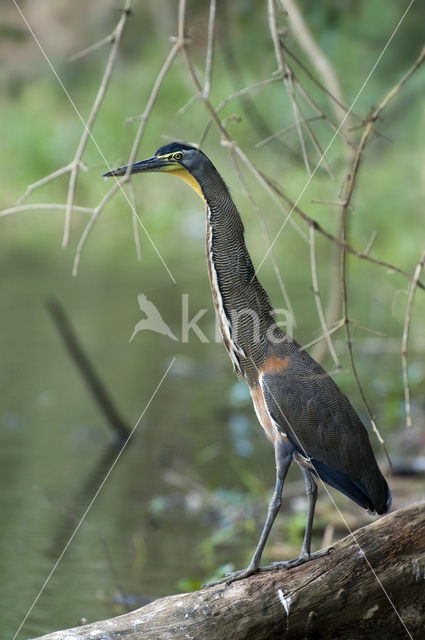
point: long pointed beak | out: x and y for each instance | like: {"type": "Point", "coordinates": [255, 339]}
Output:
{"type": "Point", "coordinates": [151, 164]}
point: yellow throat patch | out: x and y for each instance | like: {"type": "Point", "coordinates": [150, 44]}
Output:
{"type": "Point", "coordinates": [184, 174]}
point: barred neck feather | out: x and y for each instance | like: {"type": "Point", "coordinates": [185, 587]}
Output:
{"type": "Point", "coordinates": [243, 308]}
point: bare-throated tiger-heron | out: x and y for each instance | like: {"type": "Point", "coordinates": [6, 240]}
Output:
{"type": "Point", "coordinates": [303, 412]}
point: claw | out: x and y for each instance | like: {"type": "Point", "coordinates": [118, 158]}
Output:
{"type": "Point", "coordinates": [295, 562]}
{"type": "Point", "coordinates": [232, 577]}
{"type": "Point", "coordinates": [285, 564]}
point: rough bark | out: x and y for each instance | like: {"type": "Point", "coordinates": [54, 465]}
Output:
{"type": "Point", "coordinates": [371, 586]}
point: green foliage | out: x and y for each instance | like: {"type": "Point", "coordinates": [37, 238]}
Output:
{"type": "Point", "coordinates": [52, 434]}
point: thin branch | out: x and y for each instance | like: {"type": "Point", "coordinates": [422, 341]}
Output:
{"type": "Point", "coordinates": [322, 87]}
{"type": "Point", "coordinates": [290, 79]}
{"type": "Point", "coordinates": [337, 326]}
{"type": "Point", "coordinates": [306, 40]}
{"type": "Point", "coordinates": [273, 188]}
{"type": "Point", "coordinates": [135, 220]}
{"type": "Point", "coordinates": [336, 129]}
{"type": "Point", "coordinates": [346, 321]}
{"type": "Point", "coordinates": [76, 163]}
{"type": "Point", "coordinates": [332, 203]}
{"type": "Point", "coordinates": [370, 244]}
{"type": "Point", "coordinates": [317, 299]}
{"type": "Point", "coordinates": [368, 329]}
{"type": "Point", "coordinates": [344, 228]}
{"type": "Point", "coordinates": [256, 208]}
{"type": "Point", "coordinates": [269, 190]}
{"type": "Point", "coordinates": [226, 138]}
{"type": "Point", "coordinates": [286, 75]}
{"type": "Point", "coordinates": [150, 103]}
{"type": "Point", "coordinates": [40, 183]}
{"type": "Point", "coordinates": [405, 337]}
{"type": "Point", "coordinates": [92, 47]}
{"type": "Point", "coordinates": [43, 207]}
{"type": "Point", "coordinates": [370, 125]}
{"type": "Point", "coordinates": [332, 88]}
{"type": "Point", "coordinates": [96, 212]}
{"type": "Point", "coordinates": [235, 96]}
{"type": "Point", "coordinates": [119, 182]}
{"type": "Point", "coordinates": [210, 50]}
{"type": "Point", "coordinates": [282, 132]}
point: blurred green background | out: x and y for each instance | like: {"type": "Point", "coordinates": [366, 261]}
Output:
{"type": "Point", "coordinates": [189, 493]}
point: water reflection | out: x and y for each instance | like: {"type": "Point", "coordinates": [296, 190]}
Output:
{"type": "Point", "coordinates": [188, 495]}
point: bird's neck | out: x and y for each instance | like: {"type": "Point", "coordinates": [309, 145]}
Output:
{"type": "Point", "coordinates": [243, 309]}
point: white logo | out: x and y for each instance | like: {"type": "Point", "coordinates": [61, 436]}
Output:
{"type": "Point", "coordinates": [153, 320]}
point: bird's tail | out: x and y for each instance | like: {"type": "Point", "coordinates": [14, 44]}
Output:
{"type": "Point", "coordinates": [376, 499]}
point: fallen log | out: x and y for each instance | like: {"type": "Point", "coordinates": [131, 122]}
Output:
{"type": "Point", "coordinates": [371, 586]}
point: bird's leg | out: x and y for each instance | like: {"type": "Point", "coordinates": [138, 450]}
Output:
{"type": "Point", "coordinates": [305, 555]}
{"type": "Point", "coordinates": [311, 493]}
{"type": "Point", "coordinates": [283, 454]}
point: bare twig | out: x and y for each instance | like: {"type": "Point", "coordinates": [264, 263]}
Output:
{"type": "Point", "coordinates": [322, 87]}
{"type": "Point", "coordinates": [235, 96]}
{"type": "Point", "coordinates": [370, 244]}
{"type": "Point", "coordinates": [405, 337]}
{"type": "Point", "coordinates": [285, 73]}
{"type": "Point", "coordinates": [368, 329]}
{"type": "Point", "coordinates": [76, 164]}
{"type": "Point", "coordinates": [276, 269]}
{"type": "Point", "coordinates": [346, 321]}
{"type": "Point", "coordinates": [119, 182]}
{"type": "Point", "coordinates": [338, 130]}
{"type": "Point", "coordinates": [289, 79]}
{"type": "Point", "coordinates": [348, 195]}
{"type": "Point", "coordinates": [40, 183]}
{"type": "Point", "coordinates": [282, 132]}
{"type": "Point", "coordinates": [322, 337]}
{"type": "Point", "coordinates": [306, 40]}
{"type": "Point", "coordinates": [210, 50]}
{"type": "Point", "coordinates": [115, 38]}
{"type": "Point", "coordinates": [274, 189]}
{"type": "Point", "coordinates": [298, 95]}
{"type": "Point", "coordinates": [332, 88]}
{"type": "Point", "coordinates": [251, 166]}
{"type": "Point", "coordinates": [135, 219]}
{"type": "Point", "coordinates": [95, 214]}
{"type": "Point", "coordinates": [333, 203]}
{"type": "Point", "coordinates": [92, 47]}
{"type": "Point", "coordinates": [370, 123]}
{"type": "Point", "coordinates": [49, 206]}
{"type": "Point", "coordinates": [318, 301]}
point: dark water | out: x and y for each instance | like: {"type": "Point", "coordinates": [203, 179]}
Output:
{"type": "Point", "coordinates": [85, 533]}
{"type": "Point", "coordinates": [194, 455]}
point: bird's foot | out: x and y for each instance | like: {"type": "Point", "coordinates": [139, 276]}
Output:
{"type": "Point", "coordinates": [295, 562]}
{"type": "Point", "coordinates": [285, 564]}
{"type": "Point", "coordinates": [233, 577]}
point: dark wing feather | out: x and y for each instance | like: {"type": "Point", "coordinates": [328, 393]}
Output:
{"type": "Point", "coordinates": [322, 425]}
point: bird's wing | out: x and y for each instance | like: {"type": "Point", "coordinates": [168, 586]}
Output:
{"type": "Point", "coordinates": [320, 422]}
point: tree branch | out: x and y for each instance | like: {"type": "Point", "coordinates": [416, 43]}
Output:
{"type": "Point", "coordinates": [370, 585]}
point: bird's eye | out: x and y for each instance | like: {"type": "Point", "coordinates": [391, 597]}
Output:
{"type": "Point", "coordinates": [178, 156]}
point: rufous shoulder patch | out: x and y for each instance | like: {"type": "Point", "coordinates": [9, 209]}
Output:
{"type": "Point", "coordinates": [274, 364]}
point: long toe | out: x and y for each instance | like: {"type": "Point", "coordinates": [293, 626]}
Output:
{"type": "Point", "coordinates": [295, 562]}
{"type": "Point", "coordinates": [233, 577]}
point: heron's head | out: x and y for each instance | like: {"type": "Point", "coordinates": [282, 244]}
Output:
{"type": "Point", "coordinates": [177, 158]}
